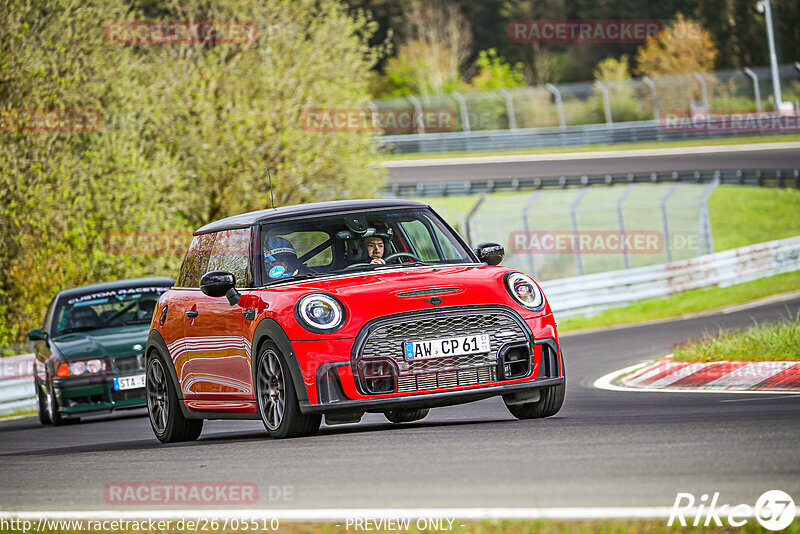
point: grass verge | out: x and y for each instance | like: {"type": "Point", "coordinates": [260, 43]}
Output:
{"type": "Point", "coordinates": [692, 301]}
{"type": "Point", "coordinates": [774, 342]}
{"type": "Point", "coordinates": [20, 413]}
{"type": "Point", "coordinates": [755, 139]}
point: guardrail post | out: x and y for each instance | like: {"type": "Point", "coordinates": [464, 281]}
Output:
{"type": "Point", "coordinates": [621, 221]}
{"type": "Point", "coordinates": [527, 228]}
{"type": "Point", "coordinates": [512, 120]}
{"type": "Point", "coordinates": [705, 220]}
{"type": "Point", "coordinates": [606, 101]}
{"type": "Point", "coordinates": [665, 222]}
{"type": "Point", "coordinates": [703, 90]}
{"type": "Point", "coordinates": [462, 106]}
{"type": "Point", "coordinates": [470, 215]}
{"type": "Point", "coordinates": [559, 104]}
{"type": "Point", "coordinates": [574, 218]}
{"type": "Point", "coordinates": [418, 113]}
{"type": "Point", "coordinates": [756, 90]}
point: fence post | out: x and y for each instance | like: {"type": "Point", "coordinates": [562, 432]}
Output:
{"type": "Point", "coordinates": [753, 76]}
{"type": "Point", "coordinates": [526, 226]}
{"type": "Point", "coordinates": [703, 89]}
{"type": "Point", "coordinates": [652, 85]}
{"type": "Point", "coordinates": [621, 221]}
{"type": "Point", "coordinates": [374, 109]}
{"type": "Point", "coordinates": [574, 218]}
{"type": "Point", "coordinates": [472, 212]}
{"type": "Point", "coordinates": [462, 106]}
{"type": "Point", "coordinates": [705, 220]}
{"type": "Point", "coordinates": [559, 104]}
{"type": "Point", "coordinates": [606, 101]}
{"type": "Point", "coordinates": [417, 112]}
{"type": "Point", "coordinates": [512, 120]}
{"type": "Point", "coordinates": [665, 222]}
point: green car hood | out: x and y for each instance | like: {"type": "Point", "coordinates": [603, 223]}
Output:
{"type": "Point", "coordinates": [111, 342]}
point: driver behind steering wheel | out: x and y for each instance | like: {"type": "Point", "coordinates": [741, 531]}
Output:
{"type": "Point", "coordinates": [375, 248]}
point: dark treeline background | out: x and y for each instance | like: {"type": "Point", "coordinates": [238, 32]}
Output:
{"type": "Point", "coordinates": [737, 28]}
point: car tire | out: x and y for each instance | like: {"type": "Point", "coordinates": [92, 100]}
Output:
{"type": "Point", "coordinates": [406, 416]}
{"type": "Point", "coordinates": [166, 418]}
{"type": "Point", "coordinates": [277, 398]}
{"type": "Point", "coordinates": [56, 419]}
{"type": "Point", "coordinates": [41, 405]}
{"type": "Point", "coordinates": [550, 401]}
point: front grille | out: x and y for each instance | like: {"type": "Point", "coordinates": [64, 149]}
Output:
{"type": "Point", "coordinates": [383, 340]}
{"type": "Point", "coordinates": [128, 394]}
{"type": "Point", "coordinates": [128, 364]}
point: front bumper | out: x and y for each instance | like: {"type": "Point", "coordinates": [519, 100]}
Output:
{"type": "Point", "coordinates": [82, 396]}
{"type": "Point", "coordinates": [428, 400]}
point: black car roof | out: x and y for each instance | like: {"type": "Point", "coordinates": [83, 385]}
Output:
{"type": "Point", "coordinates": [246, 220]}
{"type": "Point", "coordinates": [118, 284]}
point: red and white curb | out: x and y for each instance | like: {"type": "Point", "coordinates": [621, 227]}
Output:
{"type": "Point", "coordinates": [666, 374]}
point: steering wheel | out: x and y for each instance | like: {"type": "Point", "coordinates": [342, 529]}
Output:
{"type": "Point", "coordinates": [397, 255]}
{"type": "Point", "coordinates": [387, 259]}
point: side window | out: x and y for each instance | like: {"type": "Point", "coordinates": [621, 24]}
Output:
{"type": "Point", "coordinates": [48, 317]}
{"type": "Point", "coordinates": [450, 252]}
{"type": "Point", "coordinates": [421, 238]}
{"type": "Point", "coordinates": [195, 263]}
{"type": "Point", "coordinates": [231, 252]}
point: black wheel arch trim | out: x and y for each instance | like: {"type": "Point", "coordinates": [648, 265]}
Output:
{"type": "Point", "coordinates": [156, 343]}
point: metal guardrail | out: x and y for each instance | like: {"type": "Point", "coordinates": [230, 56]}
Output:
{"type": "Point", "coordinates": [16, 384]}
{"type": "Point", "coordinates": [754, 177]}
{"type": "Point", "coordinates": [595, 292]}
{"type": "Point", "coordinates": [588, 134]}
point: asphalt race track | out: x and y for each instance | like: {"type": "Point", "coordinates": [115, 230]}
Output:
{"type": "Point", "coordinates": [545, 165]}
{"type": "Point", "coordinates": [605, 448]}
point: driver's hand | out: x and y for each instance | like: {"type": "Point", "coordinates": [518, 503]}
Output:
{"type": "Point", "coordinates": [378, 261]}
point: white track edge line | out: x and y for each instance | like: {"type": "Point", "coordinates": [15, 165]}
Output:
{"type": "Point", "coordinates": [588, 155]}
{"type": "Point", "coordinates": [606, 382]}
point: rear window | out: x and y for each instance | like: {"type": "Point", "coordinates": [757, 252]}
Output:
{"type": "Point", "coordinates": [195, 264]}
{"type": "Point", "coordinates": [231, 252]}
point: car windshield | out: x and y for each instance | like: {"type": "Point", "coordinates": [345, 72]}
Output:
{"type": "Point", "coordinates": [363, 241]}
{"type": "Point", "coordinates": [106, 308]}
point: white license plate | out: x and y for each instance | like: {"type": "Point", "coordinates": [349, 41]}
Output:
{"type": "Point", "coordinates": [129, 382]}
{"type": "Point", "coordinates": [451, 346]}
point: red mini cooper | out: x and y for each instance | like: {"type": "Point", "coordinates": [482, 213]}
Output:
{"type": "Point", "coordinates": [342, 308]}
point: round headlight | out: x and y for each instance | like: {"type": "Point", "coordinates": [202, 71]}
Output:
{"type": "Point", "coordinates": [77, 368]}
{"type": "Point", "coordinates": [524, 290]}
{"type": "Point", "coordinates": [94, 366]}
{"type": "Point", "coordinates": [320, 313]}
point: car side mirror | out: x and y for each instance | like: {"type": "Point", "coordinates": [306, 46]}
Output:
{"type": "Point", "coordinates": [220, 284]}
{"type": "Point", "coordinates": [490, 253]}
{"type": "Point", "coordinates": [37, 334]}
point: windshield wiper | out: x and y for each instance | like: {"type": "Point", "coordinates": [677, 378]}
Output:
{"type": "Point", "coordinates": [78, 329]}
{"type": "Point", "coordinates": [299, 276]}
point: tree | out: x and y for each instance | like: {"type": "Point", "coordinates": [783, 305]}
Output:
{"type": "Point", "coordinates": [437, 41]}
{"type": "Point", "coordinates": [681, 48]}
{"type": "Point", "coordinates": [187, 132]}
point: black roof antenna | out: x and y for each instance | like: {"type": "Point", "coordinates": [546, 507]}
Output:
{"type": "Point", "coordinates": [271, 194]}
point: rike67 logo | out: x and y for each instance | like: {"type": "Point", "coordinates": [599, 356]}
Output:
{"type": "Point", "coordinates": [774, 510]}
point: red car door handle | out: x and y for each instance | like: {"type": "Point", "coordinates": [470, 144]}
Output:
{"type": "Point", "coordinates": [191, 314]}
